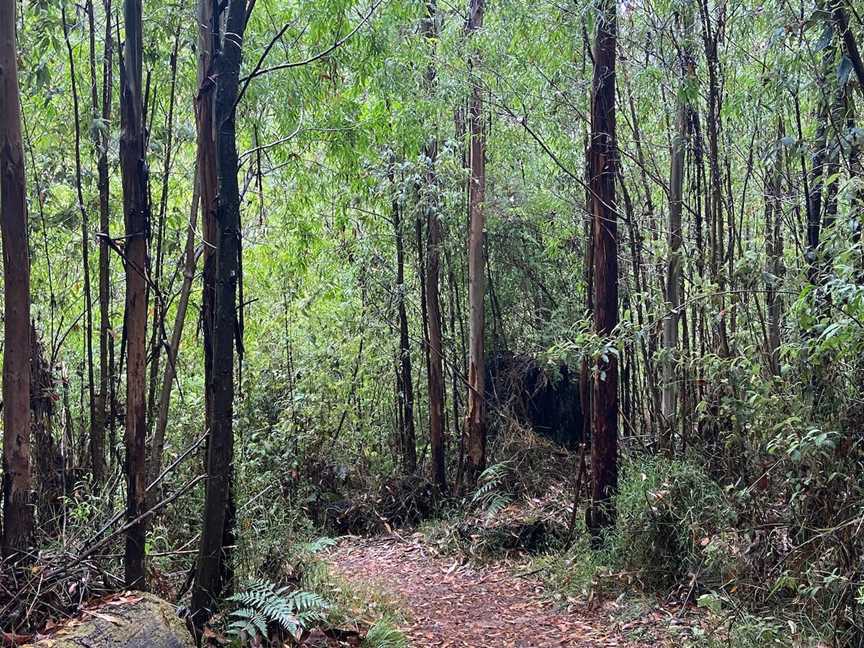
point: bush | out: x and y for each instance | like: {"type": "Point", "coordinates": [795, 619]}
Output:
{"type": "Point", "coordinates": [672, 519]}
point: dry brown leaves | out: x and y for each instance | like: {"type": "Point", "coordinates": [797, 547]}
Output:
{"type": "Point", "coordinates": [456, 605]}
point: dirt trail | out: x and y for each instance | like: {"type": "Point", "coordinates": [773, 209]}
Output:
{"type": "Point", "coordinates": [452, 605]}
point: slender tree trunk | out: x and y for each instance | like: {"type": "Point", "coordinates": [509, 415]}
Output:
{"type": "Point", "coordinates": [190, 261]}
{"type": "Point", "coordinates": [96, 443]}
{"type": "Point", "coordinates": [213, 569]}
{"type": "Point", "coordinates": [136, 208]}
{"type": "Point", "coordinates": [208, 186]}
{"type": "Point", "coordinates": [818, 162]}
{"type": "Point", "coordinates": [774, 244]}
{"type": "Point", "coordinates": [433, 307]}
{"type": "Point", "coordinates": [476, 414]}
{"type": "Point", "coordinates": [100, 146]}
{"type": "Point", "coordinates": [841, 21]}
{"type": "Point", "coordinates": [710, 38]}
{"type": "Point", "coordinates": [585, 369]}
{"type": "Point", "coordinates": [405, 385]}
{"type": "Point", "coordinates": [604, 447]}
{"type": "Point", "coordinates": [433, 300]}
{"type": "Point", "coordinates": [160, 306]}
{"type": "Point", "coordinates": [17, 478]}
{"type": "Point", "coordinates": [856, 170]}
{"type": "Point", "coordinates": [673, 275]}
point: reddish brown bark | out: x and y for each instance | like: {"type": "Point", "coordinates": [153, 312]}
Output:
{"type": "Point", "coordinates": [433, 300]}
{"type": "Point", "coordinates": [602, 164]}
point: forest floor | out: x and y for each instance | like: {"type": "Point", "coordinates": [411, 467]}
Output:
{"type": "Point", "coordinates": [449, 604]}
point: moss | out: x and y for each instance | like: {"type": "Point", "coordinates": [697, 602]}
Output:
{"type": "Point", "coordinates": [142, 621]}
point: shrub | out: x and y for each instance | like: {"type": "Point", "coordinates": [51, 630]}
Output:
{"type": "Point", "coordinates": [671, 522]}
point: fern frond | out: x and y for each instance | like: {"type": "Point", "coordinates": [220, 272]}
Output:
{"type": "Point", "coordinates": [264, 603]}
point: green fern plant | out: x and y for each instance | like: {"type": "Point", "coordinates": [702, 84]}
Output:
{"type": "Point", "coordinates": [317, 546]}
{"type": "Point", "coordinates": [384, 635]}
{"type": "Point", "coordinates": [490, 496]}
{"type": "Point", "coordinates": [264, 604]}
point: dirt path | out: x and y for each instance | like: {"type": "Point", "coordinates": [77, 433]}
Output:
{"type": "Point", "coordinates": [452, 605]}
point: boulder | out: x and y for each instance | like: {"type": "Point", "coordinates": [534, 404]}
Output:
{"type": "Point", "coordinates": [133, 620]}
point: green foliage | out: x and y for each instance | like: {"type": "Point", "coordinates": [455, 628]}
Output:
{"type": "Point", "coordinates": [671, 521]}
{"type": "Point", "coordinates": [384, 635]}
{"type": "Point", "coordinates": [489, 496]}
{"type": "Point", "coordinates": [263, 604]}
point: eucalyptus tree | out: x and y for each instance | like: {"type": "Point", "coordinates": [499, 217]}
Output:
{"type": "Point", "coordinates": [136, 209]}
{"type": "Point", "coordinates": [404, 376]}
{"type": "Point", "coordinates": [602, 163]}
{"type": "Point", "coordinates": [213, 567]}
{"type": "Point", "coordinates": [434, 241]}
{"type": "Point", "coordinates": [101, 115]}
{"type": "Point", "coordinates": [17, 478]}
{"type": "Point", "coordinates": [476, 415]}
{"type": "Point", "coordinates": [676, 197]}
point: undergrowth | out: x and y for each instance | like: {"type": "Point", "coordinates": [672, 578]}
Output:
{"type": "Point", "coordinates": [316, 598]}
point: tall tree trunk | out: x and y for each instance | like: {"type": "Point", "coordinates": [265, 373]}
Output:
{"type": "Point", "coordinates": [774, 244]}
{"type": "Point", "coordinates": [818, 163]}
{"type": "Point", "coordinates": [17, 479]}
{"type": "Point", "coordinates": [585, 373]}
{"type": "Point", "coordinates": [856, 170]}
{"type": "Point", "coordinates": [136, 208]}
{"type": "Point", "coordinates": [404, 378]}
{"type": "Point", "coordinates": [476, 413]}
{"type": "Point", "coordinates": [95, 444]}
{"type": "Point", "coordinates": [100, 145]}
{"type": "Point", "coordinates": [673, 275]}
{"type": "Point", "coordinates": [710, 39]}
{"type": "Point", "coordinates": [603, 162]}
{"type": "Point", "coordinates": [433, 255]}
{"type": "Point", "coordinates": [208, 35]}
{"type": "Point", "coordinates": [216, 536]}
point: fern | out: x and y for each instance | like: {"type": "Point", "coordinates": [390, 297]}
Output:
{"type": "Point", "coordinates": [264, 604]}
{"type": "Point", "coordinates": [384, 635]}
{"type": "Point", "coordinates": [490, 496]}
{"type": "Point", "coordinates": [247, 622]}
{"type": "Point", "coordinates": [317, 546]}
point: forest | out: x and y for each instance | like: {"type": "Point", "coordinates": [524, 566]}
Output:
{"type": "Point", "coordinates": [434, 323]}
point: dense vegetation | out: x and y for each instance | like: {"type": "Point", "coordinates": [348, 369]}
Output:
{"type": "Point", "coordinates": [280, 269]}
